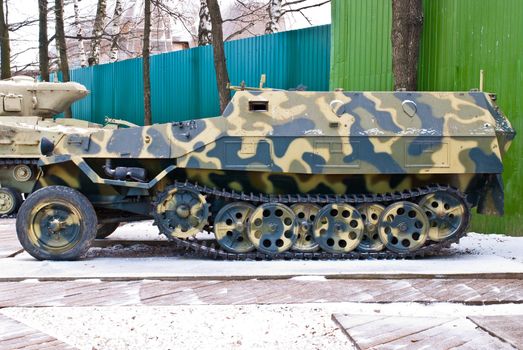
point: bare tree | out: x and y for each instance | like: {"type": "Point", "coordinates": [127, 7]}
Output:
{"type": "Point", "coordinates": [146, 64]}
{"type": "Point", "coordinates": [79, 35]}
{"type": "Point", "coordinates": [5, 47]}
{"type": "Point", "coordinates": [43, 43]}
{"type": "Point", "coordinates": [118, 10]}
{"type": "Point", "coordinates": [98, 29]}
{"type": "Point", "coordinates": [220, 66]}
{"type": "Point", "coordinates": [276, 9]}
{"type": "Point", "coordinates": [62, 48]}
{"type": "Point", "coordinates": [204, 26]}
{"type": "Point", "coordinates": [407, 24]}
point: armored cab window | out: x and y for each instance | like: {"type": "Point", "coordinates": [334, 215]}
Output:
{"type": "Point", "coordinates": [258, 106]}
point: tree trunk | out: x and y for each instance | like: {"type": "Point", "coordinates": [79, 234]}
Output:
{"type": "Point", "coordinates": [4, 44]}
{"type": "Point", "coordinates": [274, 11]}
{"type": "Point", "coordinates": [79, 34]}
{"type": "Point", "coordinates": [116, 30]}
{"type": "Point", "coordinates": [407, 24]}
{"type": "Point", "coordinates": [145, 54]}
{"type": "Point", "coordinates": [98, 28]}
{"type": "Point", "coordinates": [62, 48]}
{"type": "Point", "coordinates": [204, 26]}
{"type": "Point", "coordinates": [220, 66]}
{"type": "Point", "coordinates": [43, 53]}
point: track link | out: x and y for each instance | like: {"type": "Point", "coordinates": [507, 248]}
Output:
{"type": "Point", "coordinates": [211, 249]}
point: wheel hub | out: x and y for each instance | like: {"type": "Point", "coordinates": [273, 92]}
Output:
{"type": "Point", "coordinates": [305, 226]}
{"type": "Point", "coordinates": [240, 226]}
{"type": "Point", "coordinates": [55, 225]}
{"type": "Point", "coordinates": [370, 213]}
{"type": "Point", "coordinates": [183, 211]}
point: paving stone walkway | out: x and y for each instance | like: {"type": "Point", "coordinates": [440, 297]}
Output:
{"type": "Point", "coordinates": [291, 291]}
{"type": "Point", "coordinates": [16, 335]}
{"type": "Point", "coordinates": [393, 332]}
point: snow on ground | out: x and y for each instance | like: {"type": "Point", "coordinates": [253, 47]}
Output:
{"type": "Point", "coordinates": [305, 326]}
{"type": "Point", "coordinates": [23, 266]}
{"type": "Point", "coordinates": [476, 254]}
{"type": "Point", "coordinates": [510, 248]}
{"type": "Point", "coordinates": [142, 230]}
{"type": "Point", "coordinates": [188, 327]}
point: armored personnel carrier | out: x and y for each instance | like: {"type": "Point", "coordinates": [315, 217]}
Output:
{"type": "Point", "coordinates": [26, 117]}
{"type": "Point", "coordinates": [281, 174]}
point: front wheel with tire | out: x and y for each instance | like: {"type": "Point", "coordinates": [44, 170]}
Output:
{"type": "Point", "coordinates": [56, 223]}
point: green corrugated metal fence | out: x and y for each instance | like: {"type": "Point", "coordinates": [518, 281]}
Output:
{"type": "Point", "coordinates": [183, 83]}
{"type": "Point", "coordinates": [460, 37]}
{"type": "Point", "coordinates": [361, 48]}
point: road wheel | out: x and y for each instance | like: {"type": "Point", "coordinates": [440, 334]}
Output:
{"type": "Point", "coordinates": [105, 230]}
{"type": "Point", "coordinates": [10, 200]}
{"type": "Point", "coordinates": [56, 223]}
{"type": "Point", "coordinates": [403, 227]}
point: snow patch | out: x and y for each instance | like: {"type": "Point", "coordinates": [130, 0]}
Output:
{"type": "Point", "coordinates": [313, 132]}
{"type": "Point", "coordinates": [309, 278]}
{"type": "Point", "coordinates": [416, 131]}
{"type": "Point", "coordinates": [372, 132]}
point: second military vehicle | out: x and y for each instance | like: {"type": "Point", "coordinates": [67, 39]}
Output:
{"type": "Point", "coordinates": [281, 174]}
{"type": "Point", "coordinates": [26, 115]}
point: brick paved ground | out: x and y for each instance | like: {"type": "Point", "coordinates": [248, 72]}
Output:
{"type": "Point", "coordinates": [16, 335]}
{"type": "Point", "coordinates": [436, 333]}
{"type": "Point", "coordinates": [291, 291]}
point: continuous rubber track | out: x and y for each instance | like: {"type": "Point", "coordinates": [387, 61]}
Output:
{"type": "Point", "coordinates": [211, 249]}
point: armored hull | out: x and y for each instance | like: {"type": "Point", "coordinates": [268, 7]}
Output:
{"type": "Point", "coordinates": [285, 173]}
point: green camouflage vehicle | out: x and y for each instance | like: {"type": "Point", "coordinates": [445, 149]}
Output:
{"type": "Point", "coordinates": [281, 174]}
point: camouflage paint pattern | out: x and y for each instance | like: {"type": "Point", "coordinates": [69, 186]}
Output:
{"type": "Point", "coordinates": [276, 142]}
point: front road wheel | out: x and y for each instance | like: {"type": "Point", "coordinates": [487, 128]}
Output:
{"type": "Point", "coordinates": [56, 223]}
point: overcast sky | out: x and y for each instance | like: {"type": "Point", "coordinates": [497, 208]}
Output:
{"type": "Point", "coordinates": [25, 41]}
